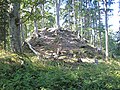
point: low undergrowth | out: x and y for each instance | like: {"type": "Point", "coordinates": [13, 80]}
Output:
{"type": "Point", "coordinates": [18, 72]}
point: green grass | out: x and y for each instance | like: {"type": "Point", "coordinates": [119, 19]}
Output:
{"type": "Point", "coordinates": [56, 75]}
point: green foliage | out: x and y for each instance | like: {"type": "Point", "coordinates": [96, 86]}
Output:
{"type": "Point", "coordinates": [100, 77]}
{"type": "Point", "coordinates": [54, 75]}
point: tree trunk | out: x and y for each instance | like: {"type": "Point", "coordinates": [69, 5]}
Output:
{"type": "Point", "coordinates": [106, 29]}
{"type": "Point", "coordinates": [74, 16]}
{"type": "Point", "coordinates": [96, 28]}
{"type": "Point", "coordinates": [93, 32]}
{"type": "Point", "coordinates": [81, 21]}
{"type": "Point", "coordinates": [15, 28]}
{"type": "Point", "coordinates": [4, 27]}
{"type": "Point", "coordinates": [35, 27]}
{"type": "Point", "coordinates": [100, 36]}
{"type": "Point", "coordinates": [35, 24]}
{"type": "Point", "coordinates": [57, 13]}
{"type": "Point", "coordinates": [69, 15]}
{"type": "Point", "coordinates": [91, 37]}
{"type": "Point", "coordinates": [119, 15]}
{"type": "Point", "coordinates": [43, 16]}
{"type": "Point", "coordinates": [22, 33]}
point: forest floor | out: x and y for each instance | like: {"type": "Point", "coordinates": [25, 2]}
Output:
{"type": "Point", "coordinates": [27, 72]}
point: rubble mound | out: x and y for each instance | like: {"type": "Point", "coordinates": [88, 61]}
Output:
{"type": "Point", "coordinates": [60, 44]}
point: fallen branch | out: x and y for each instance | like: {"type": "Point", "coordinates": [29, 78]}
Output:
{"type": "Point", "coordinates": [37, 53]}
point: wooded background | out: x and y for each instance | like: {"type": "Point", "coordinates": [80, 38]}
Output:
{"type": "Point", "coordinates": [89, 18]}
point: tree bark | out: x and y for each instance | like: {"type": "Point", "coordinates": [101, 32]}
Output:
{"type": "Point", "coordinates": [35, 27]}
{"type": "Point", "coordinates": [81, 30]}
{"type": "Point", "coordinates": [69, 15]}
{"type": "Point", "coordinates": [93, 32]}
{"type": "Point", "coordinates": [5, 31]}
{"type": "Point", "coordinates": [35, 24]}
{"type": "Point", "coordinates": [100, 36]}
{"type": "Point", "coordinates": [57, 13]}
{"type": "Point", "coordinates": [119, 15]}
{"type": "Point", "coordinates": [106, 29]}
{"type": "Point", "coordinates": [74, 16]}
{"type": "Point", "coordinates": [79, 20]}
{"type": "Point", "coordinates": [22, 33]}
{"type": "Point", "coordinates": [15, 28]}
{"type": "Point", "coordinates": [43, 16]}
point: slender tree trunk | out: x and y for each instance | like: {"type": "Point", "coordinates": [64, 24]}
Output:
{"type": "Point", "coordinates": [81, 25]}
{"type": "Point", "coordinates": [57, 13]}
{"type": "Point", "coordinates": [4, 27]}
{"type": "Point", "coordinates": [100, 36]}
{"type": "Point", "coordinates": [35, 26]}
{"type": "Point", "coordinates": [106, 28]}
{"type": "Point", "coordinates": [85, 19]}
{"type": "Point", "coordinates": [35, 23]}
{"type": "Point", "coordinates": [119, 15]}
{"type": "Point", "coordinates": [91, 39]}
{"type": "Point", "coordinates": [69, 18]}
{"type": "Point", "coordinates": [96, 28]}
{"type": "Point", "coordinates": [22, 33]}
{"type": "Point", "coordinates": [93, 31]}
{"type": "Point", "coordinates": [74, 16]}
{"type": "Point", "coordinates": [15, 28]}
{"type": "Point", "coordinates": [69, 15]}
{"type": "Point", "coordinates": [81, 21]}
{"type": "Point", "coordinates": [26, 31]}
{"type": "Point", "coordinates": [43, 16]}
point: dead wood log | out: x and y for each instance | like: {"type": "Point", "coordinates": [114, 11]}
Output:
{"type": "Point", "coordinates": [31, 48]}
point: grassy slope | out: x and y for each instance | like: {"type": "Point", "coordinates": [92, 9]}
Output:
{"type": "Point", "coordinates": [56, 75]}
